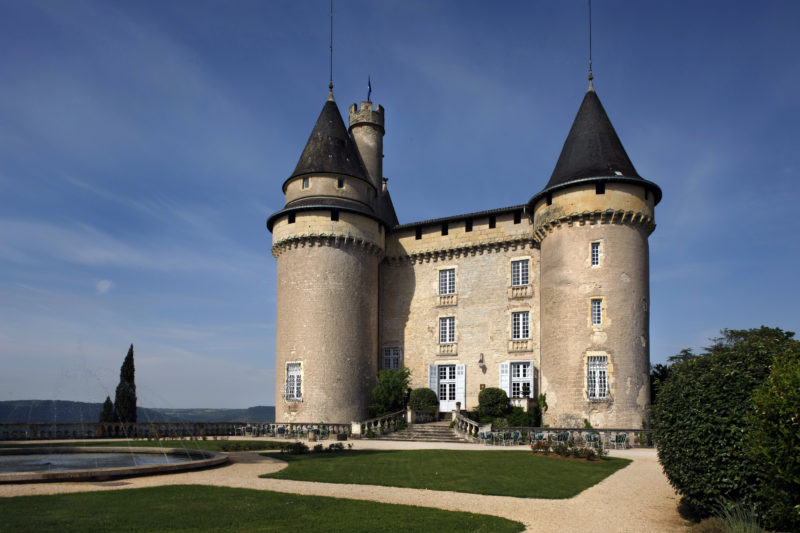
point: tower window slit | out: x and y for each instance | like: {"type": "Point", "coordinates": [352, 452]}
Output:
{"type": "Point", "coordinates": [492, 221]}
{"type": "Point", "coordinates": [334, 214]}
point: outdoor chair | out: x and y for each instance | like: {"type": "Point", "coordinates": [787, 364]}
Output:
{"type": "Point", "coordinates": [324, 434]}
{"type": "Point", "coordinates": [537, 437]}
{"type": "Point", "coordinates": [515, 437]}
{"type": "Point", "coordinates": [593, 440]}
{"type": "Point", "coordinates": [620, 440]}
{"type": "Point", "coordinates": [505, 437]}
{"type": "Point", "coordinates": [486, 437]}
{"type": "Point", "coordinates": [281, 431]}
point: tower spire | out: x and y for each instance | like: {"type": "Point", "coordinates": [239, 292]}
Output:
{"type": "Point", "coordinates": [330, 83]}
{"type": "Point", "coordinates": [591, 76]}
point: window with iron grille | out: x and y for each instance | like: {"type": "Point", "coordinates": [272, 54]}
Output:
{"type": "Point", "coordinates": [447, 281]}
{"type": "Point", "coordinates": [595, 253]}
{"type": "Point", "coordinates": [519, 273]}
{"type": "Point", "coordinates": [520, 325]}
{"type": "Point", "coordinates": [294, 382]}
{"type": "Point", "coordinates": [447, 330]}
{"type": "Point", "coordinates": [391, 358]}
{"type": "Point", "coordinates": [597, 312]}
{"type": "Point", "coordinates": [597, 377]}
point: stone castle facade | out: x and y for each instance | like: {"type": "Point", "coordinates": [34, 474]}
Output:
{"type": "Point", "coordinates": [550, 296]}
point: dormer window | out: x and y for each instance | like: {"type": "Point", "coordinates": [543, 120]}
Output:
{"type": "Point", "coordinates": [305, 183]}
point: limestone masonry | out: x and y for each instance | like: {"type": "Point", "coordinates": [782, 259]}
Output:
{"type": "Point", "coordinates": [551, 296]}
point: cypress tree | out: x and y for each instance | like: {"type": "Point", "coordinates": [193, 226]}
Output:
{"type": "Point", "coordinates": [125, 401]}
{"type": "Point", "coordinates": [107, 415]}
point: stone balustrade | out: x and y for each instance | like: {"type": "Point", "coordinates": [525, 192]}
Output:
{"type": "Point", "coordinates": [381, 425]}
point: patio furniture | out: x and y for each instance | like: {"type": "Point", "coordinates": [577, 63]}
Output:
{"type": "Point", "coordinates": [620, 440]}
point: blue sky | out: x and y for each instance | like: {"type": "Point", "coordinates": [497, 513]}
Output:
{"type": "Point", "coordinates": [143, 145]}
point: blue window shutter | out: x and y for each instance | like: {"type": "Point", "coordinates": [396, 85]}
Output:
{"type": "Point", "coordinates": [505, 378]}
{"type": "Point", "coordinates": [433, 379]}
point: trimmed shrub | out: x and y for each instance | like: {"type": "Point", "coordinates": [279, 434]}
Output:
{"type": "Point", "coordinates": [492, 402]}
{"type": "Point", "coordinates": [423, 399]}
{"type": "Point", "coordinates": [700, 419]}
{"type": "Point", "coordinates": [519, 418]}
{"type": "Point", "coordinates": [775, 439]}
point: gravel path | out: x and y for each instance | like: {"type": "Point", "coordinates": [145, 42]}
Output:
{"type": "Point", "coordinates": [637, 498]}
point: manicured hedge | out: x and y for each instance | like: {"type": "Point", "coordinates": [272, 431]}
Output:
{"type": "Point", "coordinates": [492, 402]}
{"type": "Point", "coordinates": [702, 420]}
{"type": "Point", "coordinates": [423, 399]}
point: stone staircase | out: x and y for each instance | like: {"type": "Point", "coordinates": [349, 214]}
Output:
{"type": "Point", "coordinates": [430, 432]}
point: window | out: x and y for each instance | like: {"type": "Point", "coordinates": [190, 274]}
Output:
{"type": "Point", "coordinates": [521, 378]}
{"type": "Point", "coordinates": [447, 281]}
{"type": "Point", "coordinates": [520, 325]}
{"type": "Point", "coordinates": [291, 218]}
{"type": "Point", "coordinates": [597, 377]}
{"type": "Point", "coordinates": [519, 273]}
{"type": "Point", "coordinates": [492, 221]}
{"type": "Point", "coordinates": [447, 382]}
{"type": "Point", "coordinates": [600, 187]}
{"type": "Point", "coordinates": [418, 233]}
{"type": "Point", "coordinates": [334, 214]}
{"type": "Point", "coordinates": [517, 217]}
{"type": "Point", "coordinates": [305, 183]}
{"type": "Point", "coordinates": [468, 225]}
{"type": "Point", "coordinates": [391, 358]}
{"type": "Point", "coordinates": [294, 382]}
{"type": "Point", "coordinates": [595, 254]}
{"type": "Point", "coordinates": [597, 312]}
{"type": "Point", "coordinates": [445, 228]}
{"type": "Point", "coordinates": [340, 183]}
{"type": "Point", "coordinates": [447, 330]}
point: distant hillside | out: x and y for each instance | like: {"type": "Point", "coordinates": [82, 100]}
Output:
{"type": "Point", "coordinates": [59, 411]}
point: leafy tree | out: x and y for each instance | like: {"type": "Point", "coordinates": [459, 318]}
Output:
{"type": "Point", "coordinates": [774, 440]}
{"type": "Point", "coordinates": [107, 414]}
{"type": "Point", "coordinates": [701, 423]}
{"type": "Point", "coordinates": [492, 402]}
{"type": "Point", "coordinates": [423, 399]}
{"type": "Point", "coordinates": [390, 394]}
{"type": "Point", "coordinates": [125, 400]}
{"type": "Point", "coordinates": [658, 375]}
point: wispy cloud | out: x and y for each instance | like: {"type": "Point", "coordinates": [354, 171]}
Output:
{"type": "Point", "coordinates": [103, 286]}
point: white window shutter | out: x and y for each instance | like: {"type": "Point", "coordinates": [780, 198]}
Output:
{"type": "Point", "coordinates": [433, 379]}
{"type": "Point", "coordinates": [461, 385]}
{"type": "Point", "coordinates": [505, 378]}
{"type": "Point", "coordinates": [530, 377]}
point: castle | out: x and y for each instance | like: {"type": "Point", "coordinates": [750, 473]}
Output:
{"type": "Point", "coordinates": [550, 296]}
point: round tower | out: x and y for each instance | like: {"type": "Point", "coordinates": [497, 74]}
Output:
{"type": "Point", "coordinates": [328, 242]}
{"type": "Point", "coordinates": [366, 127]}
{"type": "Point", "coordinates": [592, 221]}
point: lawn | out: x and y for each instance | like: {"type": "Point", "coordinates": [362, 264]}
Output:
{"type": "Point", "coordinates": [203, 508]}
{"type": "Point", "coordinates": [500, 473]}
{"type": "Point", "coordinates": [212, 445]}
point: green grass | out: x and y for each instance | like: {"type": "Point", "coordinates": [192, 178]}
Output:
{"type": "Point", "coordinates": [203, 508]}
{"type": "Point", "coordinates": [212, 445]}
{"type": "Point", "coordinates": [500, 473]}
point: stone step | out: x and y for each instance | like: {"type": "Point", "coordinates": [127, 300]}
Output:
{"type": "Point", "coordinates": [431, 432]}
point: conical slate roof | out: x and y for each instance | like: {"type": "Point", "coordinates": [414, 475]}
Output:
{"type": "Point", "coordinates": [329, 148]}
{"type": "Point", "coordinates": [592, 148]}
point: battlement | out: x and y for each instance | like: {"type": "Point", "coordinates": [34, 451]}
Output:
{"type": "Point", "coordinates": [367, 114]}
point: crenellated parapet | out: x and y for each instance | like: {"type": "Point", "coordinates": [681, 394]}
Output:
{"type": "Point", "coordinates": [454, 252]}
{"type": "Point", "coordinates": [546, 224]}
{"type": "Point", "coordinates": [311, 240]}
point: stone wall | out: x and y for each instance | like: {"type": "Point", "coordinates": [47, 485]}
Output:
{"type": "Point", "coordinates": [482, 305]}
